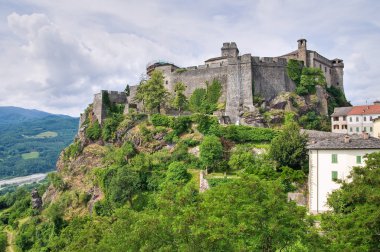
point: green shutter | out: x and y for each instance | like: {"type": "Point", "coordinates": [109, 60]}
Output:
{"type": "Point", "coordinates": [334, 158]}
{"type": "Point", "coordinates": [358, 159]}
{"type": "Point", "coordinates": [334, 175]}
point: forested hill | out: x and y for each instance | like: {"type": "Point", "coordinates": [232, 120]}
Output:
{"type": "Point", "coordinates": [31, 140]}
{"type": "Point", "coordinates": [11, 115]}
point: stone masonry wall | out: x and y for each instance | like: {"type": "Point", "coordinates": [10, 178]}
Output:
{"type": "Point", "coordinates": [196, 78]}
{"type": "Point", "coordinates": [270, 77]}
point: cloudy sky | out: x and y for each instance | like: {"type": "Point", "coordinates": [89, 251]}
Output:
{"type": "Point", "coordinates": [56, 54]}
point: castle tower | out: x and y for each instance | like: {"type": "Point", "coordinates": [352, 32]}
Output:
{"type": "Point", "coordinates": [230, 50]}
{"type": "Point", "coordinates": [337, 74]}
{"type": "Point", "coordinates": [302, 51]}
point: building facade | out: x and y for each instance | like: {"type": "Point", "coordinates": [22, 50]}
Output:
{"type": "Point", "coordinates": [376, 127]}
{"type": "Point", "coordinates": [339, 120]}
{"type": "Point", "coordinates": [331, 160]}
{"type": "Point", "coordinates": [355, 120]}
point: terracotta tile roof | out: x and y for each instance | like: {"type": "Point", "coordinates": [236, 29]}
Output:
{"type": "Point", "coordinates": [365, 110]}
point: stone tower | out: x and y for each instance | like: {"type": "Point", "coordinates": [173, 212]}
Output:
{"type": "Point", "coordinates": [230, 50]}
{"type": "Point", "coordinates": [337, 77]}
{"type": "Point", "coordinates": [302, 51]}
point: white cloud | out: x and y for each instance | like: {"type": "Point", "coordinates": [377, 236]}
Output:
{"type": "Point", "coordinates": [55, 55]}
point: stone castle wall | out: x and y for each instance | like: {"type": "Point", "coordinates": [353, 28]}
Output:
{"type": "Point", "coordinates": [99, 108]}
{"type": "Point", "coordinates": [270, 77]}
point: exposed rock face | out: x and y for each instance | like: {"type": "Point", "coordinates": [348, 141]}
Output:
{"type": "Point", "coordinates": [36, 200]}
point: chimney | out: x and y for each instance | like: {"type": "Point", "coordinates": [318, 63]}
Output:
{"type": "Point", "coordinates": [346, 139]}
{"type": "Point", "coordinates": [365, 135]}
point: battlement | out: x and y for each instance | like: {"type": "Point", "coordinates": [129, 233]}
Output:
{"type": "Point", "coordinates": [269, 60]}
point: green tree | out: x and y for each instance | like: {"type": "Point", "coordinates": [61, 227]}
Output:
{"type": "Point", "coordinates": [180, 101]}
{"type": "Point", "coordinates": [259, 218]}
{"type": "Point", "coordinates": [211, 152]}
{"type": "Point", "coordinates": [354, 223]}
{"type": "Point", "coordinates": [289, 147]}
{"type": "Point", "coordinates": [152, 92]}
{"type": "Point", "coordinates": [124, 186]}
{"type": "Point", "coordinates": [196, 100]}
{"type": "Point", "coordinates": [127, 90]}
{"type": "Point", "coordinates": [177, 173]}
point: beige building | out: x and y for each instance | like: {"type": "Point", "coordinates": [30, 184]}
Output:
{"type": "Point", "coordinates": [339, 120]}
{"type": "Point", "coordinates": [376, 127]}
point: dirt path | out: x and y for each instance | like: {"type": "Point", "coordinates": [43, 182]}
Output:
{"type": "Point", "coordinates": [10, 243]}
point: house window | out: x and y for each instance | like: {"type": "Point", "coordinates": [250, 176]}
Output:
{"type": "Point", "coordinates": [350, 119]}
{"type": "Point", "coordinates": [358, 159]}
{"type": "Point", "coordinates": [325, 69]}
{"type": "Point", "coordinates": [357, 129]}
{"type": "Point", "coordinates": [364, 129]}
{"type": "Point", "coordinates": [357, 119]}
{"type": "Point", "coordinates": [344, 126]}
{"type": "Point", "coordinates": [344, 118]}
{"type": "Point", "coordinates": [166, 82]}
{"type": "Point", "coordinates": [365, 118]}
{"type": "Point", "coordinates": [334, 175]}
{"type": "Point", "coordinates": [336, 118]}
{"type": "Point", "coordinates": [350, 129]}
{"type": "Point", "coordinates": [370, 118]}
{"type": "Point", "coordinates": [370, 129]}
{"type": "Point", "coordinates": [334, 158]}
{"type": "Point", "coordinates": [336, 126]}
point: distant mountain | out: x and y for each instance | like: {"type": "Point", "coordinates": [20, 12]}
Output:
{"type": "Point", "coordinates": [31, 140]}
{"type": "Point", "coordinates": [10, 115]}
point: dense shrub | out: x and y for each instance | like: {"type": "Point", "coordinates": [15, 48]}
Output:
{"type": "Point", "coordinates": [181, 124]}
{"type": "Point", "coordinates": [160, 120]}
{"type": "Point", "coordinates": [241, 134]}
{"type": "Point", "coordinates": [294, 70]}
{"type": "Point", "coordinates": [211, 152]}
{"type": "Point", "coordinates": [177, 173]}
{"type": "Point", "coordinates": [206, 124]}
{"type": "Point", "coordinates": [213, 182]}
{"type": "Point", "coordinates": [3, 241]}
{"type": "Point", "coordinates": [93, 131]}
{"type": "Point", "coordinates": [73, 150]}
{"type": "Point", "coordinates": [110, 126]}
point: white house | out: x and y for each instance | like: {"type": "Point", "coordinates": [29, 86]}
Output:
{"type": "Point", "coordinates": [331, 159]}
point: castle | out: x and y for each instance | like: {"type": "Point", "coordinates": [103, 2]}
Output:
{"type": "Point", "coordinates": [242, 77]}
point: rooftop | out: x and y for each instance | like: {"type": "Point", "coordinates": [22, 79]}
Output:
{"type": "Point", "coordinates": [340, 143]}
{"type": "Point", "coordinates": [341, 111]}
{"type": "Point", "coordinates": [365, 110]}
